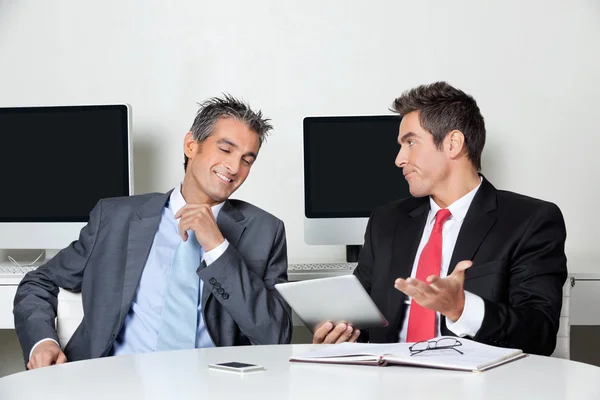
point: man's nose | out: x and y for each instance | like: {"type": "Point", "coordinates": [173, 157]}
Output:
{"type": "Point", "coordinates": [400, 159]}
{"type": "Point", "coordinates": [232, 166]}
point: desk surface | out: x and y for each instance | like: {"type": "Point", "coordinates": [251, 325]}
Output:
{"type": "Point", "coordinates": [185, 375]}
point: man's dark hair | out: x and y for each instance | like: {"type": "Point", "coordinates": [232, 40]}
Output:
{"type": "Point", "coordinates": [213, 109]}
{"type": "Point", "coordinates": [442, 109]}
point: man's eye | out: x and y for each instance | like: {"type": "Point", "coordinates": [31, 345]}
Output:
{"type": "Point", "coordinates": [225, 150]}
{"type": "Point", "coordinates": [247, 162]}
{"type": "Point", "coordinates": [410, 142]}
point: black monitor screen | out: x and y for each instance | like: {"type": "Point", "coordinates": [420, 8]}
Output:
{"type": "Point", "coordinates": [57, 162]}
{"type": "Point", "coordinates": [349, 165]}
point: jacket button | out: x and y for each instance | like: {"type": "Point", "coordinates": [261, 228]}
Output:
{"type": "Point", "coordinates": [217, 285]}
{"type": "Point", "coordinates": [212, 281]}
{"type": "Point", "coordinates": [220, 290]}
{"type": "Point", "coordinates": [225, 296]}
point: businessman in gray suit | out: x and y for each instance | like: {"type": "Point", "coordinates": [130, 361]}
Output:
{"type": "Point", "coordinates": [185, 269]}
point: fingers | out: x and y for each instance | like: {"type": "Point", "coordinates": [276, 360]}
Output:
{"type": "Point", "coordinates": [321, 333]}
{"type": "Point", "coordinates": [187, 222]}
{"type": "Point", "coordinates": [444, 295]}
{"type": "Point", "coordinates": [425, 294]}
{"type": "Point", "coordinates": [400, 284]}
{"type": "Point", "coordinates": [334, 335]}
{"type": "Point", "coordinates": [462, 266]}
{"type": "Point", "coordinates": [197, 217]}
{"type": "Point", "coordinates": [458, 275]}
{"type": "Point", "coordinates": [182, 210]}
{"type": "Point", "coordinates": [437, 283]}
{"type": "Point", "coordinates": [420, 287]}
{"type": "Point", "coordinates": [62, 358]}
{"type": "Point", "coordinates": [48, 359]}
{"type": "Point", "coordinates": [354, 336]}
{"type": "Point", "coordinates": [193, 209]}
{"type": "Point", "coordinates": [45, 354]}
{"type": "Point", "coordinates": [328, 334]}
{"type": "Point", "coordinates": [182, 232]}
{"type": "Point", "coordinates": [345, 335]}
{"type": "Point", "coordinates": [414, 288]}
{"type": "Point", "coordinates": [35, 362]}
{"type": "Point", "coordinates": [42, 359]}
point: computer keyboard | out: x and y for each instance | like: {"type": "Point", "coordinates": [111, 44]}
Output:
{"type": "Point", "coordinates": [11, 274]}
{"type": "Point", "coordinates": [300, 272]}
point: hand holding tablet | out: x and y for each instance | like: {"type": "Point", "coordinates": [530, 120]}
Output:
{"type": "Point", "coordinates": [337, 300]}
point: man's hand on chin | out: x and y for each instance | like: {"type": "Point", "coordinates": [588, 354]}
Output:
{"type": "Point", "coordinates": [200, 219]}
{"type": "Point", "coordinates": [443, 295]}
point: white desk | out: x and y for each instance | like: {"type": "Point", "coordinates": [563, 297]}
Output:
{"type": "Point", "coordinates": [184, 375]}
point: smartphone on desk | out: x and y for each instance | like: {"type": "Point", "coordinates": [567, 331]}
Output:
{"type": "Point", "coordinates": [238, 367]}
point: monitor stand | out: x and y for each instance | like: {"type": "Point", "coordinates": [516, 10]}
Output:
{"type": "Point", "coordinates": [49, 254]}
{"type": "Point", "coordinates": [26, 261]}
{"type": "Point", "coordinates": [352, 252]}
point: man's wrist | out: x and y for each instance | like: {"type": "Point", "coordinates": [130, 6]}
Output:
{"type": "Point", "coordinates": [215, 243]}
{"type": "Point", "coordinates": [454, 315]}
{"type": "Point", "coordinates": [471, 319]}
{"type": "Point", "coordinates": [214, 254]}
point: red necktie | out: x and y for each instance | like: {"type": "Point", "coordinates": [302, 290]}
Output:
{"type": "Point", "coordinates": [421, 321]}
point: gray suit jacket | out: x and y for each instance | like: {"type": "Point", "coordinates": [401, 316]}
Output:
{"type": "Point", "coordinates": [106, 265]}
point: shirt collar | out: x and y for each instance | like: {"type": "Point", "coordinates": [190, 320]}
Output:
{"type": "Point", "coordinates": [458, 209]}
{"type": "Point", "coordinates": [176, 202]}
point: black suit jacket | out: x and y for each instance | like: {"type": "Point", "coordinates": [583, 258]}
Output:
{"type": "Point", "coordinates": [519, 266]}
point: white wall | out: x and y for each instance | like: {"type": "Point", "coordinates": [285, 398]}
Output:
{"type": "Point", "coordinates": [533, 66]}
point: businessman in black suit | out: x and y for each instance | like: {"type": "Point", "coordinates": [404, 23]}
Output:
{"type": "Point", "coordinates": [460, 257]}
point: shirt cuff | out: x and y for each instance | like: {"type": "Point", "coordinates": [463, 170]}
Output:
{"type": "Point", "coordinates": [471, 318]}
{"type": "Point", "coordinates": [213, 255]}
{"type": "Point", "coordinates": [36, 345]}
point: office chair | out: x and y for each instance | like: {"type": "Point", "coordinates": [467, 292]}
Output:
{"type": "Point", "coordinates": [69, 314]}
{"type": "Point", "coordinates": [563, 338]}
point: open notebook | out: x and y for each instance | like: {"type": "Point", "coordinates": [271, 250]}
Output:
{"type": "Point", "coordinates": [475, 356]}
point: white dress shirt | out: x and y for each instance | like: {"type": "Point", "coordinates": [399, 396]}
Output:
{"type": "Point", "coordinates": [472, 316]}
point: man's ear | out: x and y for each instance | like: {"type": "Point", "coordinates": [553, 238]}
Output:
{"type": "Point", "coordinates": [190, 145]}
{"type": "Point", "coordinates": [455, 143]}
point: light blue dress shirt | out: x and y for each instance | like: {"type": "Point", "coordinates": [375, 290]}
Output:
{"type": "Point", "coordinates": [139, 333]}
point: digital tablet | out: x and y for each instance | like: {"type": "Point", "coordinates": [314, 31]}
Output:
{"type": "Point", "coordinates": [337, 299]}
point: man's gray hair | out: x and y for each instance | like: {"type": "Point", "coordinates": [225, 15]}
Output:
{"type": "Point", "coordinates": [227, 106]}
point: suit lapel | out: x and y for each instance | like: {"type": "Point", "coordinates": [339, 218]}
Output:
{"type": "Point", "coordinates": [142, 230]}
{"type": "Point", "coordinates": [478, 222]}
{"type": "Point", "coordinates": [230, 222]}
{"type": "Point", "coordinates": [406, 242]}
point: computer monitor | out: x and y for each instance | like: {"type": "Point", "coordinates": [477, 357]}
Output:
{"type": "Point", "coordinates": [349, 170]}
{"type": "Point", "coordinates": [57, 163]}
